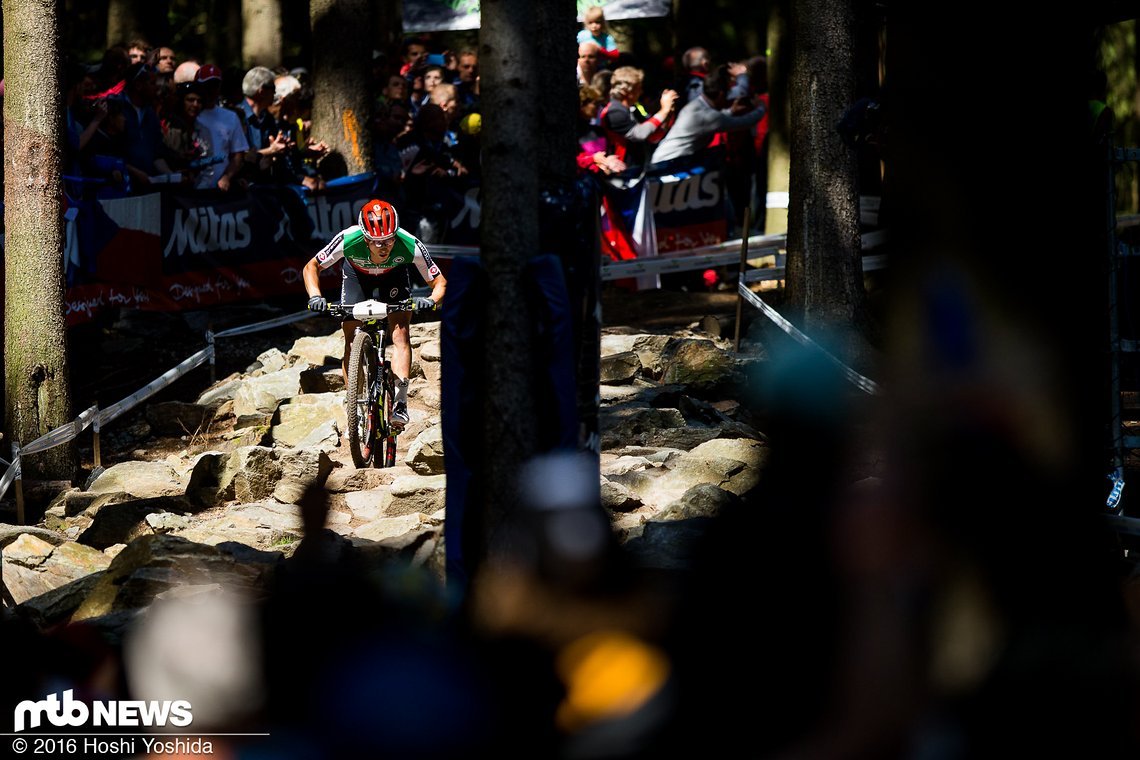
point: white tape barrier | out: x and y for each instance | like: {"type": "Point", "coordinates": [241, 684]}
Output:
{"type": "Point", "coordinates": [716, 255]}
{"type": "Point", "coordinates": [865, 385]}
{"type": "Point", "coordinates": [66, 432]}
{"type": "Point", "coordinates": [154, 386]}
{"type": "Point", "coordinates": [870, 264]}
{"type": "Point", "coordinates": [99, 418]}
{"type": "Point", "coordinates": [268, 324]}
{"type": "Point", "coordinates": [10, 474]}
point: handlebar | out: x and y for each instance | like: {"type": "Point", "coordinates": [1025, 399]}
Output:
{"type": "Point", "coordinates": [370, 309]}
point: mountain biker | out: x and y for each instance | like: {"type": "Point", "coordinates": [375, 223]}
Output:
{"type": "Point", "coordinates": [376, 254]}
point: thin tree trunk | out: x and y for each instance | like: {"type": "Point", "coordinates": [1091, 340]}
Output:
{"type": "Point", "coordinates": [261, 41]}
{"type": "Point", "coordinates": [342, 58]}
{"type": "Point", "coordinates": [557, 146]}
{"type": "Point", "coordinates": [509, 235]}
{"type": "Point", "coordinates": [37, 394]}
{"type": "Point", "coordinates": [223, 37]}
{"type": "Point", "coordinates": [131, 19]}
{"type": "Point", "coordinates": [782, 46]}
{"type": "Point", "coordinates": [824, 270]}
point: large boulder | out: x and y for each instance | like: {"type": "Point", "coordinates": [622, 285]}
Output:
{"type": "Point", "coordinates": [53, 579]}
{"type": "Point", "coordinates": [111, 521]}
{"type": "Point", "coordinates": [320, 351]}
{"type": "Point", "coordinates": [249, 474]}
{"type": "Point", "coordinates": [702, 500]}
{"type": "Point", "coordinates": [301, 469]}
{"type": "Point", "coordinates": [142, 480]}
{"type": "Point", "coordinates": [425, 455]}
{"type": "Point", "coordinates": [697, 364]}
{"type": "Point", "coordinates": [619, 368]}
{"type": "Point", "coordinates": [259, 396]}
{"type": "Point", "coordinates": [311, 420]}
{"type": "Point", "coordinates": [417, 493]}
{"type": "Point", "coordinates": [348, 479]}
{"type": "Point", "coordinates": [150, 565]}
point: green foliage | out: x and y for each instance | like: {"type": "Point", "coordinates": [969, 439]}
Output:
{"type": "Point", "coordinates": [1118, 58]}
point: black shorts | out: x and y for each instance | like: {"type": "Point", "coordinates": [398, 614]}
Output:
{"type": "Point", "coordinates": [391, 287]}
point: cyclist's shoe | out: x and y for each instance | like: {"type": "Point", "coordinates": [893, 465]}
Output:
{"type": "Point", "coordinates": [400, 417]}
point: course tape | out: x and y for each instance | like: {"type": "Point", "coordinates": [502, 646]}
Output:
{"type": "Point", "coordinates": [62, 434]}
{"type": "Point", "coordinates": [168, 377]}
{"type": "Point", "coordinates": [870, 264]}
{"type": "Point", "coordinates": [865, 385]}
{"type": "Point", "coordinates": [268, 324]}
{"type": "Point", "coordinates": [10, 474]}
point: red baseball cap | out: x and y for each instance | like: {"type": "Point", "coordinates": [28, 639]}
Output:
{"type": "Point", "coordinates": [206, 72]}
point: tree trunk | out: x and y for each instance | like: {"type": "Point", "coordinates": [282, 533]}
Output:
{"type": "Point", "coordinates": [779, 161]}
{"type": "Point", "coordinates": [261, 41]}
{"type": "Point", "coordinates": [131, 19]}
{"type": "Point", "coordinates": [342, 58]}
{"type": "Point", "coordinates": [509, 237]}
{"type": "Point", "coordinates": [224, 34]}
{"type": "Point", "coordinates": [555, 67]}
{"type": "Point", "coordinates": [824, 270]}
{"type": "Point", "coordinates": [37, 395]}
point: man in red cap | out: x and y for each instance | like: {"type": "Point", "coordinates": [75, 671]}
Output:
{"type": "Point", "coordinates": [227, 138]}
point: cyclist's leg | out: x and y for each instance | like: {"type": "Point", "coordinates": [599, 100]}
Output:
{"type": "Point", "coordinates": [399, 288]}
{"type": "Point", "coordinates": [401, 365]}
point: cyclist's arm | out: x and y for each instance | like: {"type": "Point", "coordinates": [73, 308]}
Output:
{"type": "Point", "coordinates": [429, 270]}
{"type": "Point", "coordinates": [325, 258]}
{"type": "Point", "coordinates": [311, 276]}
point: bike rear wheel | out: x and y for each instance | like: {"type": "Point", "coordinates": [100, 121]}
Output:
{"type": "Point", "coordinates": [358, 407]}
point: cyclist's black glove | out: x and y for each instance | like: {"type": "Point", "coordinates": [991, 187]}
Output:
{"type": "Point", "coordinates": [318, 303]}
{"type": "Point", "coordinates": [424, 304]}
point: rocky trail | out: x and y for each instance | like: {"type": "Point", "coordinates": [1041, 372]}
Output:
{"type": "Point", "coordinates": [200, 485]}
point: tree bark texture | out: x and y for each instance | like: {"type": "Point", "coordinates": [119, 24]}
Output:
{"type": "Point", "coordinates": [509, 237]}
{"type": "Point", "coordinates": [557, 146]}
{"type": "Point", "coordinates": [36, 385]}
{"type": "Point", "coordinates": [824, 270]}
{"type": "Point", "coordinates": [342, 59]}
{"type": "Point", "coordinates": [261, 40]}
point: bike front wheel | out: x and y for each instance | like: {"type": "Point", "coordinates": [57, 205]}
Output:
{"type": "Point", "coordinates": [358, 407]}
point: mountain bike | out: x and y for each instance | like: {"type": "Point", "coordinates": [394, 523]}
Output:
{"type": "Point", "coordinates": [370, 389]}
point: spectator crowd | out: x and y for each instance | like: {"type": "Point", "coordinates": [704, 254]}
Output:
{"type": "Point", "coordinates": [145, 117]}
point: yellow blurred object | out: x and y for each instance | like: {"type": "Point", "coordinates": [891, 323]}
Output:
{"type": "Point", "coordinates": [608, 674]}
{"type": "Point", "coordinates": [471, 123]}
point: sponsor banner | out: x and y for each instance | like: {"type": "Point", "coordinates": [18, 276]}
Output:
{"type": "Point", "coordinates": [687, 199]}
{"type": "Point", "coordinates": [622, 9]}
{"type": "Point", "coordinates": [186, 250]}
{"type": "Point", "coordinates": [440, 15]}
{"type": "Point", "coordinates": [451, 15]}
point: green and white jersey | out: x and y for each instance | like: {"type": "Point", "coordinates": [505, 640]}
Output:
{"type": "Point", "coordinates": [352, 246]}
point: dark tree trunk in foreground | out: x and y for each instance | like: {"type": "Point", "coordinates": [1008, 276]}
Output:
{"type": "Point", "coordinates": [342, 60]}
{"type": "Point", "coordinates": [509, 235]}
{"type": "Point", "coordinates": [37, 394]}
{"type": "Point", "coordinates": [824, 271]}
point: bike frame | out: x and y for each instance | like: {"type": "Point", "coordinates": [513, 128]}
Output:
{"type": "Point", "coordinates": [381, 448]}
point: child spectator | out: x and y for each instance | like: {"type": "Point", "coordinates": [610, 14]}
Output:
{"type": "Point", "coordinates": [596, 31]}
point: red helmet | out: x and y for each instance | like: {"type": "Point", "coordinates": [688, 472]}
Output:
{"type": "Point", "coordinates": [378, 220]}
